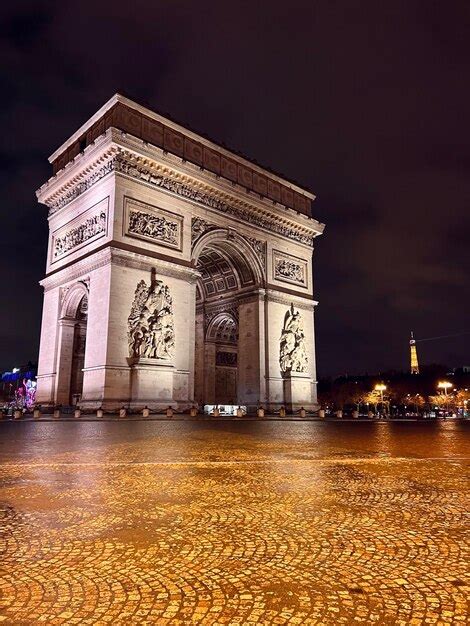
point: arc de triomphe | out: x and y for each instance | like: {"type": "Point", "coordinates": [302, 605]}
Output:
{"type": "Point", "coordinates": [177, 272]}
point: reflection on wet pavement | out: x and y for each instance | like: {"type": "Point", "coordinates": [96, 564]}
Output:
{"type": "Point", "coordinates": [233, 523]}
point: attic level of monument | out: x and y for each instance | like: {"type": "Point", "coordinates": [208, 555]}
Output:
{"type": "Point", "coordinates": [128, 116]}
{"type": "Point", "coordinates": [169, 283]}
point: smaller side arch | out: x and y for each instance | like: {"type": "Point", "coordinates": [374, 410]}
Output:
{"type": "Point", "coordinates": [71, 344]}
{"type": "Point", "coordinates": [72, 300]}
{"type": "Point", "coordinates": [223, 327]}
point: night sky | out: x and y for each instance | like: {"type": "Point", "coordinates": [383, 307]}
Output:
{"type": "Point", "coordinates": [366, 103]}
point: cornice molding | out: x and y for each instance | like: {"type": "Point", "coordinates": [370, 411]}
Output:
{"type": "Point", "coordinates": [113, 158]}
{"type": "Point", "coordinates": [214, 182]}
{"type": "Point", "coordinates": [80, 169]}
{"type": "Point", "coordinates": [109, 255]}
{"type": "Point", "coordinates": [285, 298]}
{"type": "Point", "coordinates": [206, 197]}
{"type": "Point", "coordinates": [163, 268]}
{"type": "Point", "coordinates": [186, 132]}
{"type": "Point", "coordinates": [79, 270]}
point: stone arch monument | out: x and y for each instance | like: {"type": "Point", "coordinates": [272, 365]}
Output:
{"type": "Point", "coordinates": [177, 272]}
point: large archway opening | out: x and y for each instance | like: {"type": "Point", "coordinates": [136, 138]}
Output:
{"type": "Point", "coordinates": [230, 273]}
{"type": "Point", "coordinates": [222, 332]}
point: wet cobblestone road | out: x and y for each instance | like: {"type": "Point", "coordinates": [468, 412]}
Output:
{"type": "Point", "coordinates": [233, 523]}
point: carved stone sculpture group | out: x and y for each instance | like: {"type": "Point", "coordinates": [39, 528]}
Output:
{"type": "Point", "coordinates": [153, 227]}
{"type": "Point", "coordinates": [151, 331]}
{"type": "Point", "coordinates": [289, 270]}
{"type": "Point", "coordinates": [293, 355]}
{"type": "Point", "coordinates": [80, 234]}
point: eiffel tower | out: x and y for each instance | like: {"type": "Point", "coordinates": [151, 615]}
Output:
{"type": "Point", "coordinates": [413, 355]}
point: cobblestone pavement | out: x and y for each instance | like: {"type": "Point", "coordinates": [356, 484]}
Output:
{"type": "Point", "coordinates": [227, 526]}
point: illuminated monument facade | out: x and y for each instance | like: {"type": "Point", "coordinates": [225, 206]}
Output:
{"type": "Point", "coordinates": [178, 273]}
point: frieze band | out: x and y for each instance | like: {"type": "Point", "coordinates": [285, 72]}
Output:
{"type": "Point", "coordinates": [121, 163]}
{"type": "Point", "coordinates": [123, 166]}
{"type": "Point", "coordinates": [81, 187]}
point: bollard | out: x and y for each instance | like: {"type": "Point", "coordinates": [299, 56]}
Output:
{"type": "Point", "coordinates": [17, 414]}
{"type": "Point", "coordinates": [193, 411]}
{"type": "Point", "coordinates": [282, 412]}
{"type": "Point", "coordinates": [169, 412]}
{"type": "Point", "coordinates": [355, 414]}
{"type": "Point", "coordinates": [99, 413]}
{"type": "Point", "coordinates": [260, 411]}
{"type": "Point", "coordinates": [239, 412]}
{"type": "Point", "coordinates": [145, 411]}
{"type": "Point", "coordinates": [77, 413]}
{"type": "Point", "coordinates": [36, 414]}
{"type": "Point", "coordinates": [216, 412]}
{"type": "Point", "coordinates": [303, 412]}
{"type": "Point", "coordinates": [321, 413]}
{"type": "Point", "coordinates": [339, 413]}
{"type": "Point", "coordinates": [122, 412]}
{"type": "Point", "coordinates": [56, 414]}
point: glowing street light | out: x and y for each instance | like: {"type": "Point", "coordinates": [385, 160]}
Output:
{"type": "Point", "coordinates": [381, 387]}
{"type": "Point", "coordinates": [444, 384]}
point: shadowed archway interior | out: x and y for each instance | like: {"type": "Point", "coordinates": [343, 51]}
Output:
{"type": "Point", "coordinates": [78, 351]}
{"type": "Point", "coordinates": [225, 276]}
{"type": "Point", "coordinates": [222, 270]}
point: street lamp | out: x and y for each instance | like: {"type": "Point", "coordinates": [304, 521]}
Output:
{"type": "Point", "coordinates": [445, 384]}
{"type": "Point", "coordinates": [381, 387]}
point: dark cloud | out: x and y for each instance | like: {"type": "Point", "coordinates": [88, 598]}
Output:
{"type": "Point", "coordinates": [365, 103]}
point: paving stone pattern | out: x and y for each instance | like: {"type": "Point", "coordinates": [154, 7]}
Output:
{"type": "Point", "coordinates": [234, 535]}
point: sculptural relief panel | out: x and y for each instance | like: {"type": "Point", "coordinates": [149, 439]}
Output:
{"type": "Point", "coordinates": [293, 353]}
{"type": "Point", "coordinates": [290, 269]}
{"type": "Point", "coordinates": [83, 230]}
{"type": "Point", "coordinates": [151, 331]}
{"type": "Point", "coordinates": [150, 223]}
{"type": "Point", "coordinates": [199, 227]}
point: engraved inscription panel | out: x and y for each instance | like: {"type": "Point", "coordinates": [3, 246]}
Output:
{"type": "Point", "coordinates": [290, 269]}
{"type": "Point", "coordinates": [83, 230]}
{"type": "Point", "coordinates": [145, 221]}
